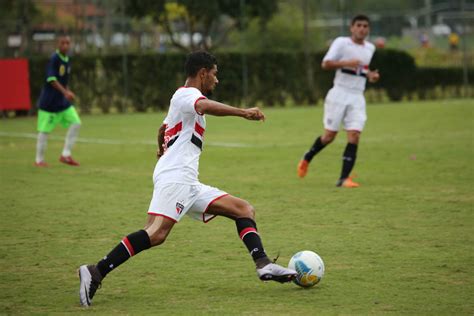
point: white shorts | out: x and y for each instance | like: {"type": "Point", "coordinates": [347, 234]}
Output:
{"type": "Point", "coordinates": [174, 200]}
{"type": "Point", "coordinates": [344, 106]}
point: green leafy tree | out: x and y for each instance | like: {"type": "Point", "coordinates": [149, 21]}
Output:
{"type": "Point", "coordinates": [16, 17]}
{"type": "Point", "coordinates": [213, 19]}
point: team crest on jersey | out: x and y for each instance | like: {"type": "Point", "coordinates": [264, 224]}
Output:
{"type": "Point", "coordinates": [179, 207]}
{"type": "Point", "coordinates": [62, 70]}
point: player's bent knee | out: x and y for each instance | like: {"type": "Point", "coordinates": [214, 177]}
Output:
{"type": "Point", "coordinates": [247, 211]}
{"type": "Point", "coordinates": [158, 237]}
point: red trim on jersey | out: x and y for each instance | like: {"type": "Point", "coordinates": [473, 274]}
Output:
{"type": "Point", "coordinates": [246, 231]}
{"type": "Point", "coordinates": [129, 247]}
{"type": "Point", "coordinates": [200, 98]}
{"type": "Point", "coordinates": [174, 130]}
{"type": "Point", "coordinates": [158, 214]}
{"type": "Point", "coordinates": [207, 207]}
{"type": "Point", "coordinates": [199, 129]}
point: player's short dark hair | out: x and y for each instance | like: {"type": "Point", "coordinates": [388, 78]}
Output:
{"type": "Point", "coordinates": [198, 60]}
{"type": "Point", "coordinates": [360, 17]}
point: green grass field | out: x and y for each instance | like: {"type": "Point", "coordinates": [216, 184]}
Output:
{"type": "Point", "coordinates": [400, 244]}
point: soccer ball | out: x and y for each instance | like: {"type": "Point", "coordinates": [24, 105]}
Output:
{"type": "Point", "coordinates": [309, 266]}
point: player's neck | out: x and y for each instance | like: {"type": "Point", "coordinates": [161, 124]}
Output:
{"type": "Point", "coordinates": [64, 57]}
{"type": "Point", "coordinates": [358, 42]}
{"type": "Point", "coordinates": [193, 83]}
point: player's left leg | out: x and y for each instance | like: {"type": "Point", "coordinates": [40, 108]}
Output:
{"type": "Point", "coordinates": [41, 144]}
{"type": "Point", "coordinates": [349, 159]}
{"type": "Point", "coordinates": [354, 122]}
{"type": "Point", "coordinates": [70, 119]}
{"type": "Point", "coordinates": [244, 215]}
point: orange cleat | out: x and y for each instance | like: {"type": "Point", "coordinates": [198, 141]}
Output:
{"type": "Point", "coordinates": [68, 161]}
{"type": "Point", "coordinates": [348, 183]}
{"type": "Point", "coordinates": [302, 168]}
{"type": "Point", "coordinates": [41, 164]}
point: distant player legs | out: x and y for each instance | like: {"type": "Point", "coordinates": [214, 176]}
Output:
{"type": "Point", "coordinates": [348, 158]}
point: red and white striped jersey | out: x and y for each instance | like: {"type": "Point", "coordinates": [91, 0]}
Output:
{"type": "Point", "coordinates": [183, 139]}
{"type": "Point", "coordinates": [344, 48]}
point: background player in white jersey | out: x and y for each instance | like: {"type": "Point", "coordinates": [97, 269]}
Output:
{"type": "Point", "coordinates": [177, 190]}
{"type": "Point", "coordinates": [345, 102]}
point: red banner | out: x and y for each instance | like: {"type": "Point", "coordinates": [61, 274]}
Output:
{"type": "Point", "coordinates": [14, 84]}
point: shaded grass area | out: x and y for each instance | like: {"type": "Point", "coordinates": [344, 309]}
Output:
{"type": "Point", "coordinates": [402, 243]}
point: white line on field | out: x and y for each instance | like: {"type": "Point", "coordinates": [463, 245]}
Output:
{"type": "Point", "coordinates": [125, 142]}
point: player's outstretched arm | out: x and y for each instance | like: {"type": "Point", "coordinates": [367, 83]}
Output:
{"type": "Point", "coordinates": [211, 107]}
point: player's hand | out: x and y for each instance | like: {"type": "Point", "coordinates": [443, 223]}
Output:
{"type": "Point", "coordinates": [352, 63]}
{"type": "Point", "coordinates": [254, 114]}
{"type": "Point", "coordinates": [159, 153]}
{"type": "Point", "coordinates": [373, 75]}
{"type": "Point", "coordinates": [69, 95]}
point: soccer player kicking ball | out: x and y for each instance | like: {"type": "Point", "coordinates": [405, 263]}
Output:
{"type": "Point", "coordinates": [55, 105]}
{"type": "Point", "coordinates": [345, 101]}
{"type": "Point", "coordinates": [177, 190]}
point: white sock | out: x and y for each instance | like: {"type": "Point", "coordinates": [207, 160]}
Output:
{"type": "Point", "coordinates": [70, 139]}
{"type": "Point", "coordinates": [41, 146]}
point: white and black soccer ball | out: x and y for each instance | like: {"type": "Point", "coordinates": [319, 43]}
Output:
{"type": "Point", "coordinates": [309, 266]}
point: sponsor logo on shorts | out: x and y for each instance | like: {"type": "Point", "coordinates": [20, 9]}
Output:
{"type": "Point", "coordinates": [179, 207]}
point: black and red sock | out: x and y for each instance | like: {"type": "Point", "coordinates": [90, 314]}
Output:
{"type": "Point", "coordinates": [128, 247]}
{"type": "Point", "coordinates": [247, 230]}
{"type": "Point", "coordinates": [348, 160]}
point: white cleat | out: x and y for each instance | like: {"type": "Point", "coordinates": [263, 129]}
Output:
{"type": "Point", "coordinates": [88, 286]}
{"type": "Point", "coordinates": [274, 272]}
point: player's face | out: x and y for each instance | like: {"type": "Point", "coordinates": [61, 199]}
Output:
{"type": "Point", "coordinates": [210, 80]}
{"type": "Point", "coordinates": [64, 44]}
{"type": "Point", "coordinates": [360, 30]}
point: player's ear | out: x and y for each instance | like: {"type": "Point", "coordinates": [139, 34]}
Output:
{"type": "Point", "coordinates": [202, 73]}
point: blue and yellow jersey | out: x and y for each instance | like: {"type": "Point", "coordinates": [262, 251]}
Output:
{"type": "Point", "coordinates": [51, 99]}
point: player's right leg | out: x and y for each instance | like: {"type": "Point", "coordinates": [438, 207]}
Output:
{"type": "Point", "coordinates": [320, 142]}
{"type": "Point", "coordinates": [244, 215]}
{"type": "Point", "coordinates": [333, 115]}
{"type": "Point", "coordinates": [155, 232]}
{"type": "Point", "coordinates": [47, 121]}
